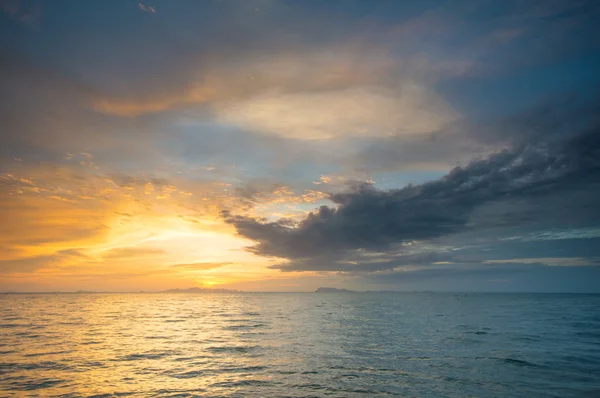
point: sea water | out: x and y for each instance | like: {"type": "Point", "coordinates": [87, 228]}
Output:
{"type": "Point", "coordinates": [300, 345]}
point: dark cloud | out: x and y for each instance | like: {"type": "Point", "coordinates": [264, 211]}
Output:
{"type": "Point", "coordinates": [362, 262]}
{"type": "Point", "coordinates": [375, 220]}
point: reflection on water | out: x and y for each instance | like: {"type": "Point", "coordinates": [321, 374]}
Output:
{"type": "Point", "coordinates": [409, 344]}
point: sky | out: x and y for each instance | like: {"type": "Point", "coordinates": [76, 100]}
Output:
{"type": "Point", "coordinates": [265, 145]}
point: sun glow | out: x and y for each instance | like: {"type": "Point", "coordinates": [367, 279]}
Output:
{"type": "Point", "coordinates": [183, 249]}
{"type": "Point", "coordinates": [122, 238]}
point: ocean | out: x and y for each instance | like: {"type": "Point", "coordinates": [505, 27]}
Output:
{"type": "Point", "coordinates": [300, 345]}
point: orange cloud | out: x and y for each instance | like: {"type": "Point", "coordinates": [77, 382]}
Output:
{"type": "Point", "coordinates": [72, 222]}
{"type": "Point", "coordinates": [315, 94]}
{"type": "Point", "coordinates": [200, 266]}
{"type": "Point", "coordinates": [131, 253]}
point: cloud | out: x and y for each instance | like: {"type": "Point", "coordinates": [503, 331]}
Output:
{"type": "Point", "coordinates": [438, 151]}
{"type": "Point", "coordinates": [185, 117]}
{"type": "Point", "coordinates": [446, 273]}
{"type": "Point", "coordinates": [49, 208]}
{"type": "Point", "coordinates": [375, 220]}
{"type": "Point", "coordinates": [551, 262]}
{"type": "Point", "coordinates": [354, 112]}
{"type": "Point", "coordinates": [199, 266]}
{"type": "Point", "coordinates": [46, 114]}
{"type": "Point", "coordinates": [315, 94]}
{"type": "Point", "coordinates": [128, 253]}
{"type": "Point", "coordinates": [271, 89]}
{"type": "Point", "coordinates": [34, 224]}
{"type": "Point", "coordinates": [146, 8]}
{"type": "Point", "coordinates": [31, 264]}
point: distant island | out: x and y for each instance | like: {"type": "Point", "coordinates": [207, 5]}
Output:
{"type": "Point", "coordinates": [333, 290]}
{"type": "Point", "coordinates": [188, 290]}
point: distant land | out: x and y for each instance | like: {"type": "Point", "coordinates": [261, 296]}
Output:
{"type": "Point", "coordinates": [188, 290]}
{"type": "Point", "coordinates": [333, 290]}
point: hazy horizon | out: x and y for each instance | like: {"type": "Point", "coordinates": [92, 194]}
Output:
{"type": "Point", "coordinates": [343, 290]}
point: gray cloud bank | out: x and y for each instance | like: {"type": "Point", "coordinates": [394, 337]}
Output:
{"type": "Point", "coordinates": [555, 175]}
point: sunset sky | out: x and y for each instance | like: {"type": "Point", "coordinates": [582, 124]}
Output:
{"type": "Point", "coordinates": [266, 145]}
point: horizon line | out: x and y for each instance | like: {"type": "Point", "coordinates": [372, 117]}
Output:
{"type": "Point", "coordinates": [231, 291]}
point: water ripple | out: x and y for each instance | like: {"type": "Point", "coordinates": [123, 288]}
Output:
{"type": "Point", "coordinates": [299, 345]}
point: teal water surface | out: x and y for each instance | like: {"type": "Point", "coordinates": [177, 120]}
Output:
{"type": "Point", "coordinates": [300, 345]}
